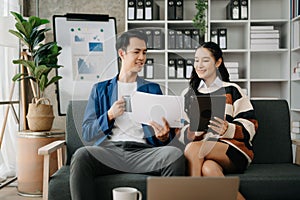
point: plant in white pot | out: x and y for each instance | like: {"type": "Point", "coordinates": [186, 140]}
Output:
{"type": "Point", "coordinates": [41, 60]}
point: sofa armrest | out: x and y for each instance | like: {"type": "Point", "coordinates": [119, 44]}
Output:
{"type": "Point", "coordinates": [297, 156]}
{"type": "Point", "coordinates": [60, 147]}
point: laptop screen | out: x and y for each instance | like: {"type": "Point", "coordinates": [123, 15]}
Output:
{"type": "Point", "coordinates": [192, 188]}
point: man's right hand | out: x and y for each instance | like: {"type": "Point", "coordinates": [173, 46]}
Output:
{"type": "Point", "coordinates": [116, 110]}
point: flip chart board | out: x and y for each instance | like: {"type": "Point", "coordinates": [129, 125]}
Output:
{"type": "Point", "coordinates": [88, 54]}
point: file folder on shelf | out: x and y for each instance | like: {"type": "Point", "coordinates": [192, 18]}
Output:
{"type": "Point", "coordinates": [180, 68]}
{"type": "Point", "coordinates": [179, 10]}
{"type": "Point", "coordinates": [214, 36]}
{"type": "Point", "coordinates": [187, 40]}
{"type": "Point", "coordinates": [151, 10]}
{"type": "Point", "coordinates": [149, 34]}
{"type": "Point", "coordinates": [172, 68]}
{"type": "Point", "coordinates": [223, 38]}
{"type": "Point", "coordinates": [244, 9]}
{"type": "Point", "coordinates": [179, 39]}
{"type": "Point", "coordinates": [149, 68]}
{"type": "Point", "coordinates": [140, 9]}
{"type": "Point", "coordinates": [131, 10]}
{"type": "Point", "coordinates": [171, 39]}
{"type": "Point", "coordinates": [233, 10]}
{"type": "Point", "coordinates": [158, 39]}
{"type": "Point", "coordinates": [171, 9]}
{"type": "Point", "coordinates": [189, 68]}
{"type": "Point", "coordinates": [195, 38]}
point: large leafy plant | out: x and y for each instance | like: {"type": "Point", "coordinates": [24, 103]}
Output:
{"type": "Point", "coordinates": [42, 57]}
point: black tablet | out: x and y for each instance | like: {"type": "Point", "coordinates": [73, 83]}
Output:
{"type": "Point", "coordinates": [204, 108]}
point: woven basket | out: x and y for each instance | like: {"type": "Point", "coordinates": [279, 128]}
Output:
{"type": "Point", "coordinates": [40, 115]}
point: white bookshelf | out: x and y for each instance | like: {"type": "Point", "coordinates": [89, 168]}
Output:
{"type": "Point", "coordinates": [169, 86]}
{"type": "Point", "coordinates": [264, 73]}
{"type": "Point", "coordinates": [295, 80]}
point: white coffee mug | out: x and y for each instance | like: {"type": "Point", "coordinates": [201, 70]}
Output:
{"type": "Point", "coordinates": [126, 193]}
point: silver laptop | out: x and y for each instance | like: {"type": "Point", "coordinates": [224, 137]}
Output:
{"type": "Point", "coordinates": [192, 188]}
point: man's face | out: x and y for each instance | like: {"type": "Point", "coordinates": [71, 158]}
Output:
{"type": "Point", "coordinates": [135, 56]}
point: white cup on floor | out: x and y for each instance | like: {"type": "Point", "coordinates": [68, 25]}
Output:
{"type": "Point", "coordinates": [126, 193]}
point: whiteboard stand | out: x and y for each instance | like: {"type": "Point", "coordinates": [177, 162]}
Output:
{"type": "Point", "coordinates": [88, 54]}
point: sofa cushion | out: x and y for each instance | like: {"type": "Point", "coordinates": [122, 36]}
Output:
{"type": "Point", "coordinates": [74, 118]}
{"type": "Point", "coordinates": [271, 181]}
{"type": "Point", "coordinates": [59, 186]}
{"type": "Point", "coordinates": [272, 142]}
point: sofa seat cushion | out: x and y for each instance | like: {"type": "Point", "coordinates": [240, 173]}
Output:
{"type": "Point", "coordinates": [59, 186]}
{"type": "Point", "coordinates": [107, 183]}
{"type": "Point", "coordinates": [271, 181]}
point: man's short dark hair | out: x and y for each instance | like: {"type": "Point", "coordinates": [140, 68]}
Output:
{"type": "Point", "coordinates": [123, 40]}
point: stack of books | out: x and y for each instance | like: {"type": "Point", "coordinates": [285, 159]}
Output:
{"type": "Point", "coordinates": [233, 70]}
{"type": "Point", "coordinates": [295, 130]}
{"type": "Point", "coordinates": [264, 37]}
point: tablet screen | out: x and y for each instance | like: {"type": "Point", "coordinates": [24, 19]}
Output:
{"type": "Point", "coordinates": [204, 108]}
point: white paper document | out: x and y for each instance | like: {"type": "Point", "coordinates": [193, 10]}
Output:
{"type": "Point", "coordinates": [150, 107]}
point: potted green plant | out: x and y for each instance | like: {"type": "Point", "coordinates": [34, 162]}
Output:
{"type": "Point", "coordinates": [199, 20]}
{"type": "Point", "coordinates": [41, 60]}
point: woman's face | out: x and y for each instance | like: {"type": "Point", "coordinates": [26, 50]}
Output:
{"type": "Point", "coordinates": [206, 65]}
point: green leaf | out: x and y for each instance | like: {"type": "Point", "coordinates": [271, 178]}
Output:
{"type": "Point", "coordinates": [17, 16]}
{"type": "Point", "coordinates": [27, 63]}
{"type": "Point", "coordinates": [42, 83]}
{"type": "Point", "coordinates": [28, 29]}
{"type": "Point", "coordinates": [20, 36]}
{"type": "Point", "coordinates": [36, 21]}
{"type": "Point", "coordinates": [20, 27]}
{"type": "Point", "coordinates": [36, 32]}
{"type": "Point", "coordinates": [40, 70]}
{"type": "Point", "coordinates": [18, 76]}
{"type": "Point", "coordinates": [53, 80]}
{"type": "Point", "coordinates": [38, 40]}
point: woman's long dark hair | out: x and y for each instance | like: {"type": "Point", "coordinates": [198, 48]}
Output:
{"type": "Point", "coordinates": [216, 53]}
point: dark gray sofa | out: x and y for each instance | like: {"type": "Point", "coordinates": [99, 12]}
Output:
{"type": "Point", "coordinates": [272, 175]}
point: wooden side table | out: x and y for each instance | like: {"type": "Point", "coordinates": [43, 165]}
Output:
{"type": "Point", "coordinates": [30, 164]}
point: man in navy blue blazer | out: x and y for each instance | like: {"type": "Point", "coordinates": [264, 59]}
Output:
{"type": "Point", "coordinates": [121, 144]}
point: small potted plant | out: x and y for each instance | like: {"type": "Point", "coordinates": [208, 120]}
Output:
{"type": "Point", "coordinates": [40, 60]}
{"type": "Point", "coordinates": [199, 20]}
